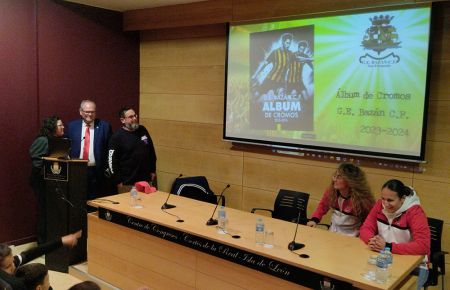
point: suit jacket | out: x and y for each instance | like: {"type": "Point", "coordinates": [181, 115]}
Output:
{"type": "Point", "coordinates": [102, 133]}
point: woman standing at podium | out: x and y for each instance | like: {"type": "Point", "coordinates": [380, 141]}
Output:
{"type": "Point", "coordinates": [52, 127]}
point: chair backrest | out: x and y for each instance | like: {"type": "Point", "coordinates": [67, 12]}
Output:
{"type": "Point", "coordinates": [437, 261]}
{"type": "Point", "coordinates": [289, 203]}
{"type": "Point", "coordinates": [195, 187]}
{"type": "Point", "coordinates": [436, 226]}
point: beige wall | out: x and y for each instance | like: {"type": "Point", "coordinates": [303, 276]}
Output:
{"type": "Point", "coordinates": [181, 103]}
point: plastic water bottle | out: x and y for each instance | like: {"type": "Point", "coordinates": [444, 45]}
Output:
{"type": "Point", "coordinates": [222, 219]}
{"type": "Point", "coordinates": [371, 268]}
{"type": "Point", "coordinates": [388, 254]}
{"type": "Point", "coordinates": [133, 197]}
{"type": "Point", "coordinates": [259, 234]}
{"type": "Point", "coordinates": [381, 273]}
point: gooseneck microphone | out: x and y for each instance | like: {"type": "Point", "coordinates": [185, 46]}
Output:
{"type": "Point", "coordinates": [293, 245]}
{"type": "Point", "coordinates": [166, 205]}
{"type": "Point", "coordinates": [212, 221]}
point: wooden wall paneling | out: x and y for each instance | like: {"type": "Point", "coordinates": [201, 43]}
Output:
{"type": "Point", "coordinates": [183, 52]}
{"type": "Point", "coordinates": [185, 32]}
{"type": "Point", "coordinates": [432, 196]}
{"type": "Point", "coordinates": [239, 275]}
{"type": "Point", "coordinates": [200, 108]}
{"type": "Point", "coordinates": [440, 74]}
{"type": "Point", "coordinates": [437, 167]}
{"type": "Point", "coordinates": [200, 13]}
{"type": "Point", "coordinates": [219, 167]}
{"type": "Point", "coordinates": [208, 80]}
{"type": "Point", "coordinates": [187, 135]}
{"type": "Point", "coordinates": [273, 175]}
{"type": "Point", "coordinates": [165, 179]}
{"type": "Point", "coordinates": [258, 198]}
{"type": "Point", "coordinates": [440, 33]}
{"type": "Point", "coordinates": [263, 9]}
{"type": "Point", "coordinates": [438, 127]}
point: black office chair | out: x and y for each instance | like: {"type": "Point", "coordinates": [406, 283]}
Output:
{"type": "Point", "coordinates": [437, 256]}
{"type": "Point", "coordinates": [288, 205]}
{"type": "Point", "coordinates": [5, 285]}
{"type": "Point", "coordinates": [195, 187]}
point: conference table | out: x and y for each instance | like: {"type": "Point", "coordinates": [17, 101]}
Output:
{"type": "Point", "coordinates": [175, 249]}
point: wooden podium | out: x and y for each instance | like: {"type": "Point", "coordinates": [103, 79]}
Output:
{"type": "Point", "coordinates": [66, 184]}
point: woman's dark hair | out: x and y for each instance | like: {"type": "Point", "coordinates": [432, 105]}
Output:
{"type": "Point", "coordinates": [32, 274]}
{"type": "Point", "coordinates": [86, 285]}
{"type": "Point", "coordinates": [48, 127]}
{"type": "Point", "coordinates": [398, 187]}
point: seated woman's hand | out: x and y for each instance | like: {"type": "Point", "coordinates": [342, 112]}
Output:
{"type": "Point", "coordinates": [311, 224]}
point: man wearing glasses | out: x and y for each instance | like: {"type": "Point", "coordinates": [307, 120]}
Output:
{"type": "Point", "coordinates": [131, 155]}
{"type": "Point", "coordinates": [90, 137]}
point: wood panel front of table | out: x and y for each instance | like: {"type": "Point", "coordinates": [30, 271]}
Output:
{"type": "Point", "coordinates": [141, 251]}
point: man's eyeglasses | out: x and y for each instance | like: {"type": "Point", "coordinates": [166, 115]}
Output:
{"type": "Point", "coordinates": [88, 112]}
{"type": "Point", "coordinates": [131, 117]}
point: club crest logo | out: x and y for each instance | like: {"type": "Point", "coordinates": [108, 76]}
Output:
{"type": "Point", "coordinates": [379, 37]}
{"type": "Point", "coordinates": [108, 216]}
{"type": "Point", "coordinates": [55, 168]}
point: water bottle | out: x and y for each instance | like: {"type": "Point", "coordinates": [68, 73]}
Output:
{"type": "Point", "coordinates": [222, 217]}
{"type": "Point", "coordinates": [381, 273]}
{"type": "Point", "coordinates": [371, 268]}
{"type": "Point", "coordinates": [133, 197]}
{"type": "Point", "coordinates": [388, 254]}
{"type": "Point", "coordinates": [259, 234]}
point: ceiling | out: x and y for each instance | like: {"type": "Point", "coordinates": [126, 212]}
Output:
{"type": "Point", "coordinates": [125, 5]}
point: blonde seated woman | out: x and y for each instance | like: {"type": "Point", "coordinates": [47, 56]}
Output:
{"type": "Point", "coordinates": [350, 199]}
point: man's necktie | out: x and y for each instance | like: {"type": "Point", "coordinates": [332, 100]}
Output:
{"type": "Point", "coordinates": [87, 142]}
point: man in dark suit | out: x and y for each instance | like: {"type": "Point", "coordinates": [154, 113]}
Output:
{"type": "Point", "coordinates": [90, 137]}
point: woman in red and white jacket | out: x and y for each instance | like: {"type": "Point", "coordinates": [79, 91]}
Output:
{"type": "Point", "coordinates": [349, 197]}
{"type": "Point", "coordinates": [397, 221]}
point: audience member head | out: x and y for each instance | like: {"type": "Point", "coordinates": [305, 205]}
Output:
{"type": "Point", "coordinates": [393, 194]}
{"type": "Point", "coordinates": [351, 182]}
{"type": "Point", "coordinates": [34, 276]}
{"type": "Point", "coordinates": [87, 111]}
{"type": "Point", "coordinates": [129, 118]}
{"type": "Point", "coordinates": [86, 285]}
{"type": "Point", "coordinates": [6, 259]}
{"type": "Point", "coordinates": [52, 127]}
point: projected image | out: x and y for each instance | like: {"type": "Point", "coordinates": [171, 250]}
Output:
{"type": "Point", "coordinates": [353, 83]}
{"type": "Point", "coordinates": [282, 79]}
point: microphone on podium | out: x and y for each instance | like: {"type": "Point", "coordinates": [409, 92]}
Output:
{"type": "Point", "coordinates": [212, 221]}
{"type": "Point", "coordinates": [292, 246]}
{"type": "Point", "coordinates": [166, 205]}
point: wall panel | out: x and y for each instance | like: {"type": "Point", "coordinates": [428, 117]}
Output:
{"type": "Point", "coordinates": [257, 176]}
{"type": "Point", "coordinates": [196, 108]}
{"type": "Point", "coordinates": [219, 167]}
{"type": "Point", "coordinates": [188, 135]}
{"type": "Point", "coordinates": [438, 128]}
{"type": "Point", "coordinates": [206, 80]}
{"type": "Point", "coordinates": [183, 52]}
